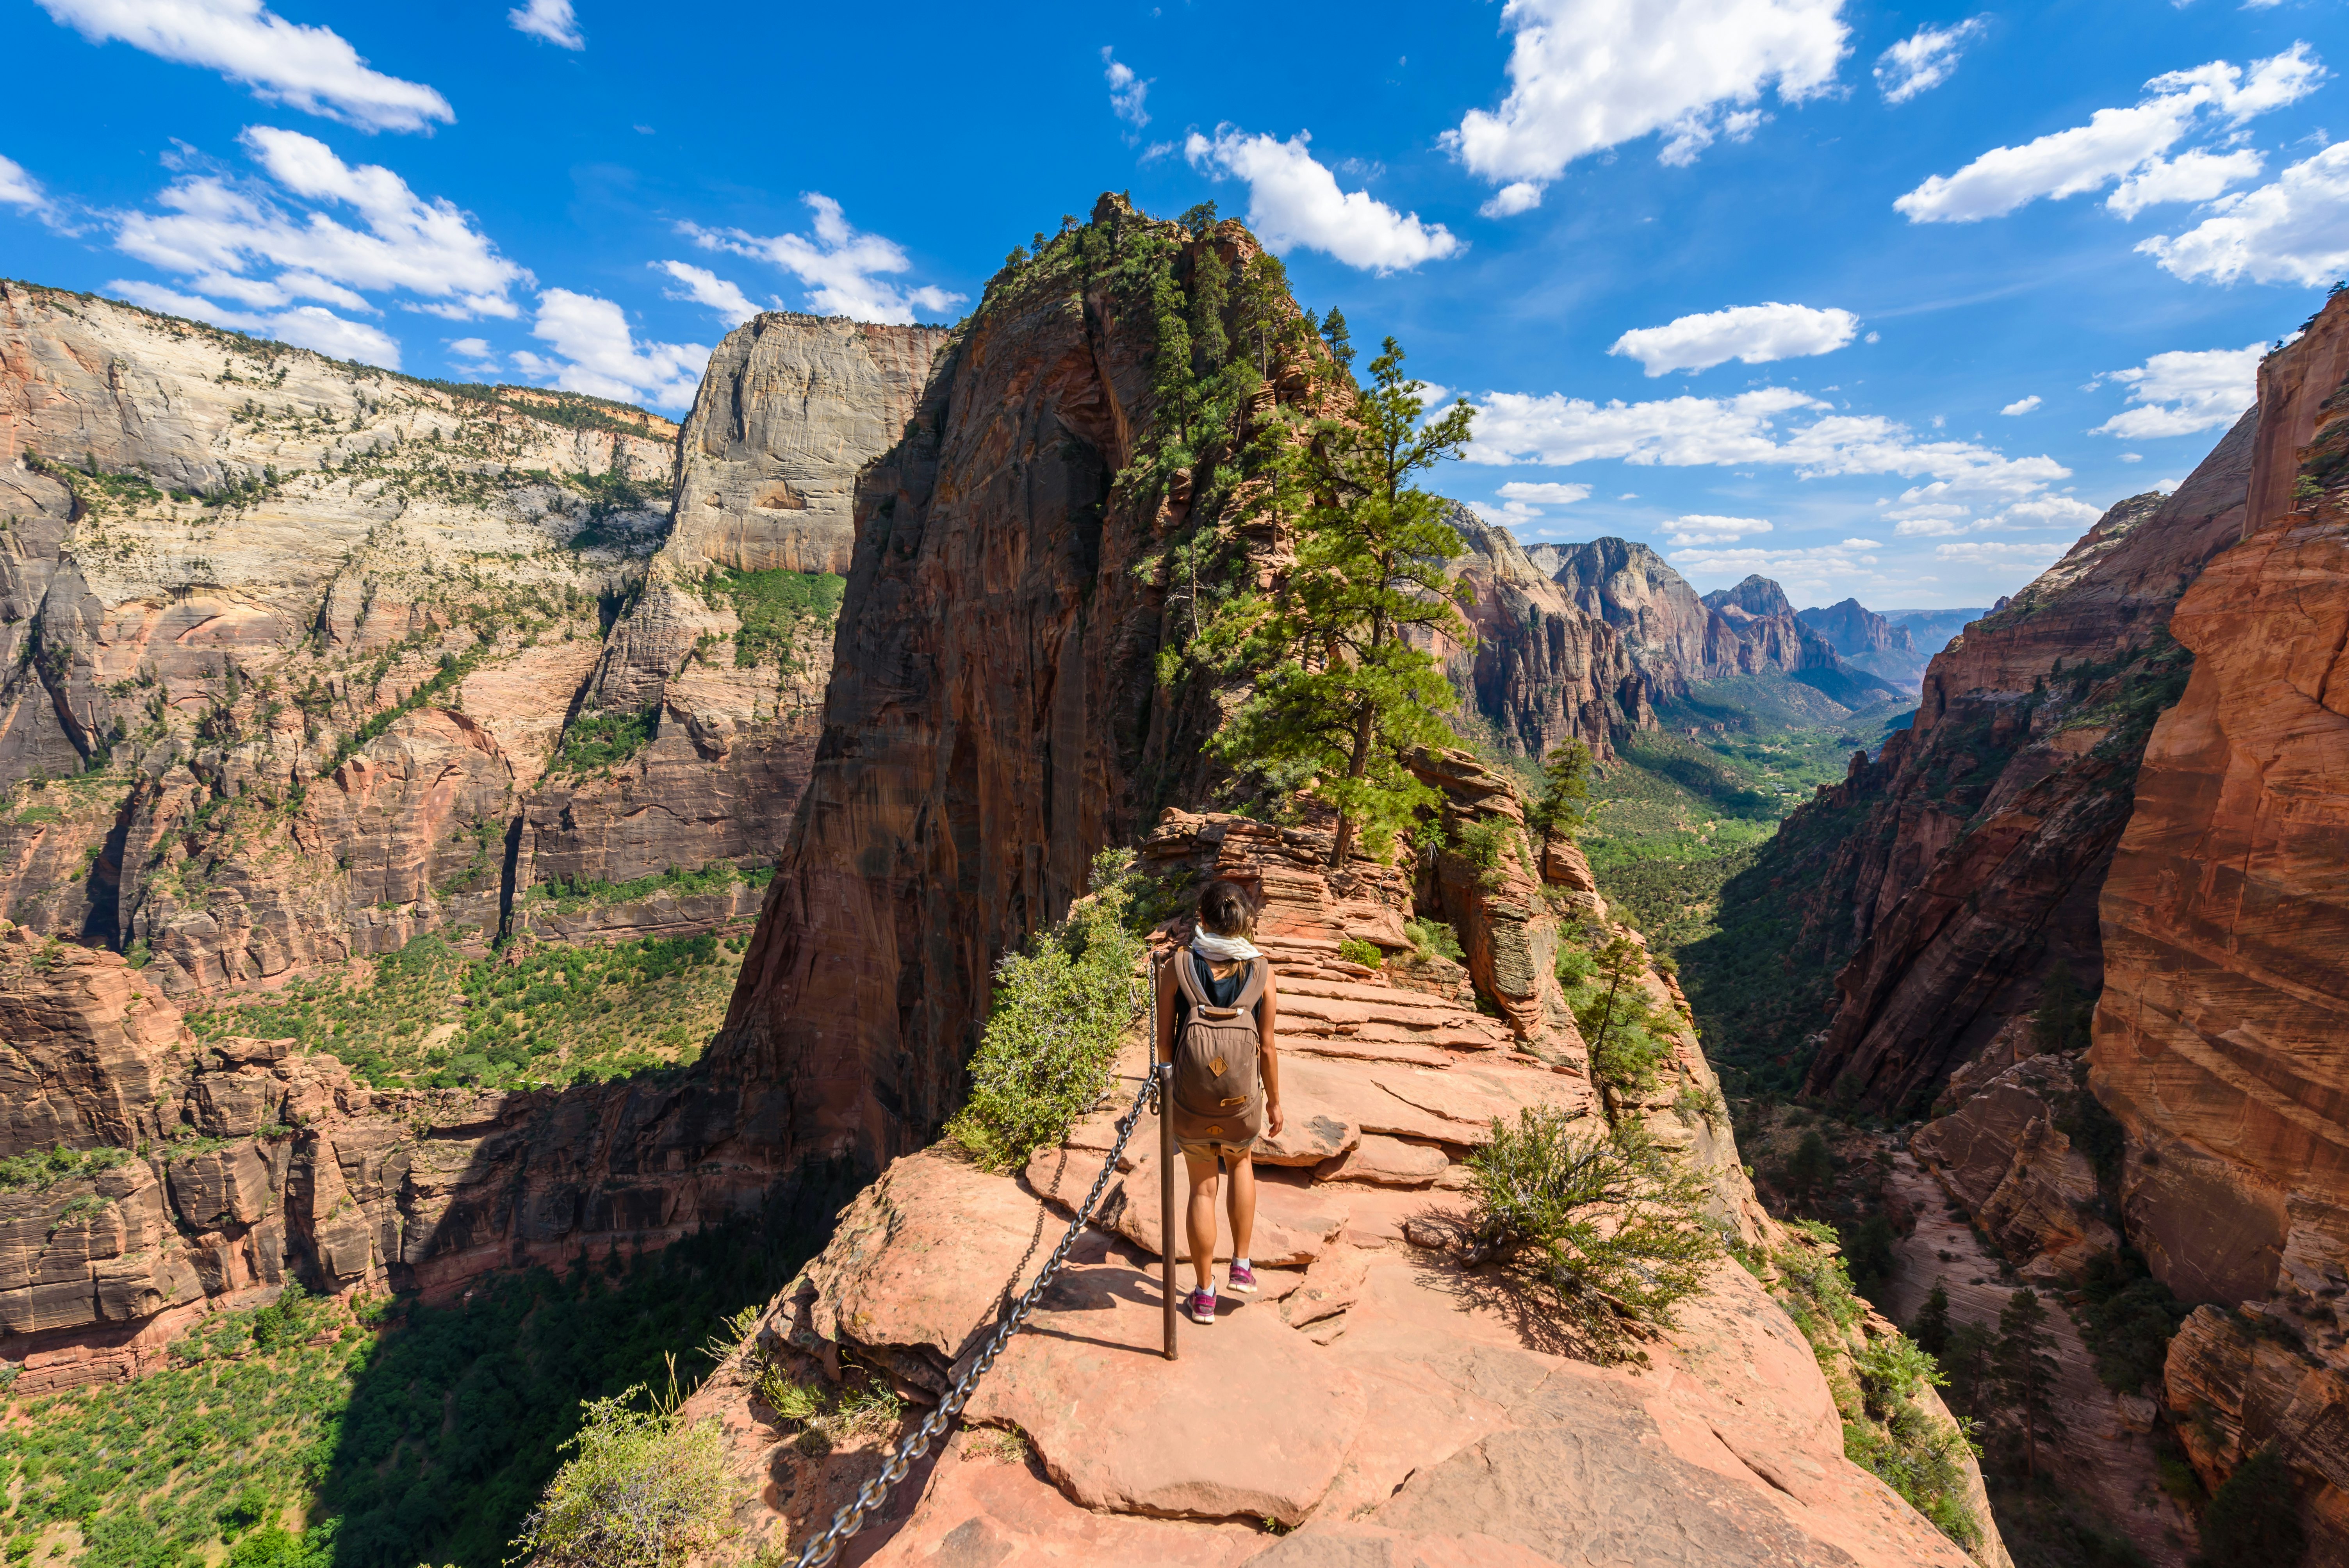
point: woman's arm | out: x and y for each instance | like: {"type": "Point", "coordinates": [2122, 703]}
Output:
{"type": "Point", "coordinates": [1267, 1014]}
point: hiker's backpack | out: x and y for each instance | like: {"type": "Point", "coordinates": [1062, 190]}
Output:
{"type": "Point", "coordinates": [1218, 1087]}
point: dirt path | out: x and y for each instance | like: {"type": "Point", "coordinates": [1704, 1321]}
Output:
{"type": "Point", "coordinates": [2111, 1467]}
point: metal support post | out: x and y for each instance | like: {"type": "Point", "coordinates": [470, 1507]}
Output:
{"type": "Point", "coordinates": [1166, 1242]}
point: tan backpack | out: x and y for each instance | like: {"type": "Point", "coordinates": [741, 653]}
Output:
{"type": "Point", "coordinates": [1218, 1088]}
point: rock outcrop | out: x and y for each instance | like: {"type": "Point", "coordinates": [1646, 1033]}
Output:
{"type": "Point", "coordinates": [154, 1176]}
{"type": "Point", "coordinates": [1376, 1402]}
{"type": "Point", "coordinates": [1675, 637]}
{"type": "Point", "coordinates": [2225, 923]}
{"type": "Point", "coordinates": [310, 659]}
{"type": "Point", "coordinates": [1869, 642]}
{"type": "Point", "coordinates": [1978, 839]}
{"type": "Point", "coordinates": [1545, 671]}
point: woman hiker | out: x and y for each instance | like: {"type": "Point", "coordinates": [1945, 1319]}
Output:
{"type": "Point", "coordinates": [1217, 1006]}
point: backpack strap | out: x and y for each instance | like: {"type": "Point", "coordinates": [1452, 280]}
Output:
{"type": "Point", "coordinates": [1253, 991]}
{"type": "Point", "coordinates": [1186, 979]}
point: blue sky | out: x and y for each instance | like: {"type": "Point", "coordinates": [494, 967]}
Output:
{"type": "Point", "coordinates": [1880, 302]}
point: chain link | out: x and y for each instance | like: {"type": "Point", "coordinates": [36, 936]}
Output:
{"type": "Point", "coordinates": [850, 1519]}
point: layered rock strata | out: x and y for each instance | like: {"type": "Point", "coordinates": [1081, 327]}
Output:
{"type": "Point", "coordinates": [2225, 923]}
{"type": "Point", "coordinates": [165, 1176]}
{"type": "Point", "coordinates": [1869, 641]}
{"type": "Point", "coordinates": [1978, 839]}
{"type": "Point", "coordinates": [1543, 671]}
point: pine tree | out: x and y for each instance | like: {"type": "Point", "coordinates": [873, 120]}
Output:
{"type": "Point", "coordinates": [1340, 343]}
{"type": "Point", "coordinates": [2026, 1374]}
{"type": "Point", "coordinates": [1210, 345]}
{"type": "Point", "coordinates": [1342, 694]}
{"type": "Point", "coordinates": [1565, 795]}
{"type": "Point", "coordinates": [1970, 1345]}
{"type": "Point", "coordinates": [1808, 1168]}
{"type": "Point", "coordinates": [1931, 1328]}
{"type": "Point", "coordinates": [2065, 1013]}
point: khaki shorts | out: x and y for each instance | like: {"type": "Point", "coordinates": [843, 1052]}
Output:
{"type": "Point", "coordinates": [1235, 1153]}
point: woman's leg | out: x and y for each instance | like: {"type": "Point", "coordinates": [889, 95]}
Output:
{"type": "Point", "coordinates": [1243, 1203]}
{"type": "Point", "coordinates": [1202, 1173]}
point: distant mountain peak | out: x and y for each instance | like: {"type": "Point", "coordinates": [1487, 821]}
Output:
{"type": "Point", "coordinates": [1757, 596]}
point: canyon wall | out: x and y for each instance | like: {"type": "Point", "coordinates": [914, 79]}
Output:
{"type": "Point", "coordinates": [1869, 641]}
{"type": "Point", "coordinates": [1543, 671]}
{"type": "Point", "coordinates": [1979, 838]}
{"type": "Point", "coordinates": [1675, 637]}
{"type": "Point", "coordinates": [2219, 1041]}
{"type": "Point", "coordinates": [307, 659]}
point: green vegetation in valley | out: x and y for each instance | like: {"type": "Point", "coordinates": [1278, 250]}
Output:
{"type": "Point", "coordinates": [431, 1016]}
{"type": "Point", "coordinates": [566, 894]}
{"type": "Point", "coordinates": [1876, 1386]}
{"type": "Point", "coordinates": [771, 606]}
{"type": "Point", "coordinates": [1061, 1007]}
{"type": "Point", "coordinates": [308, 1434]}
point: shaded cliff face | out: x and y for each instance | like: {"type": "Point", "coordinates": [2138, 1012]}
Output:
{"type": "Point", "coordinates": [1543, 671]}
{"type": "Point", "coordinates": [793, 410]}
{"type": "Point", "coordinates": [993, 716]}
{"type": "Point", "coordinates": [1979, 838]}
{"type": "Point", "coordinates": [2226, 917]}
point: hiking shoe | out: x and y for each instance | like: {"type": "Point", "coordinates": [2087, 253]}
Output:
{"type": "Point", "coordinates": [1243, 1279]}
{"type": "Point", "coordinates": [1203, 1306]}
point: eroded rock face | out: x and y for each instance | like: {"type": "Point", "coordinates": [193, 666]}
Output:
{"type": "Point", "coordinates": [1868, 641]}
{"type": "Point", "coordinates": [2005, 1153]}
{"type": "Point", "coordinates": [2225, 924]}
{"type": "Point", "coordinates": [224, 1168]}
{"type": "Point", "coordinates": [1545, 670]}
{"type": "Point", "coordinates": [1979, 838]}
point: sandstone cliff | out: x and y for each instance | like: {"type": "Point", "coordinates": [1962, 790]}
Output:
{"type": "Point", "coordinates": [1973, 848]}
{"type": "Point", "coordinates": [1545, 670]}
{"type": "Point", "coordinates": [1675, 637]}
{"type": "Point", "coordinates": [1869, 641]}
{"type": "Point", "coordinates": [2225, 923]}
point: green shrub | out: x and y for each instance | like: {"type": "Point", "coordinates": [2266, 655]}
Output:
{"type": "Point", "coordinates": [1607, 1229]}
{"type": "Point", "coordinates": [771, 605]}
{"type": "Point", "coordinates": [1483, 844]}
{"type": "Point", "coordinates": [1061, 1007]}
{"type": "Point", "coordinates": [1369, 955]}
{"type": "Point", "coordinates": [2128, 1319]}
{"type": "Point", "coordinates": [2253, 1520]}
{"type": "Point", "coordinates": [596, 741]}
{"type": "Point", "coordinates": [1434, 939]}
{"type": "Point", "coordinates": [643, 1489]}
{"type": "Point", "coordinates": [1629, 1036]}
{"type": "Point", "coordinates": [42, 1172]}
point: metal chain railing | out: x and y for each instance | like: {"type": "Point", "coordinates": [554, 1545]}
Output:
{"type": "Point", "coordinates": [875, 1492]}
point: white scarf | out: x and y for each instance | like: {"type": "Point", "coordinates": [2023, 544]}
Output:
{"type": "Point", "coordinates": [1223, 949]}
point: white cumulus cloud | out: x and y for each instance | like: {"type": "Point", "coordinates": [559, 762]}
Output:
{"type": "Point", "coordinates": [1923, 60]}
{"type": "Point", "coordinates": [304, 326]}
{"type": "Point", "coordinates": [551, 20]}
{"type": "Point", "coordinates": [1294, 201]}
{"type": "Point", "coordinates": [2022, 405]}
{"type": "Point", "coordinates": [1129, 95]}
{"type": "Point", "coordinates": [21, 191]}
{"type": "Point", "coordinates": [602, 357]}
{"type": "Point", "coordinates": [2185, 390]}
{"type": "Point", "coordinates": [2294, 230]}
{"type": "Point", "coordinates": [845, 269]}
{"type": "Point", "coordinates": [704, 287]}
{"type": "Point", "coordinates": [2189, 176]}
{"type": "Point", "coordinates": [1698, 528]}
{"type": "Point", "coordinates": [1588, 75]}
{"type": "Point", "coordinates": [2118, 143]}
{"type": "Point", "coordinates": [265, 243]}
{"type": "Point", "coordinates": [310, 68]}
{"type": "Point", "coordinates": [1755, 334]}
{"type": "Point", "coordinates": [1544, 494]}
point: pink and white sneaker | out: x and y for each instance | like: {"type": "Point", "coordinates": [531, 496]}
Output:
{"type": "Point", "coordinates": [1203, 1306]}
{"type": "Point", "coordinates": [1242, 1280]}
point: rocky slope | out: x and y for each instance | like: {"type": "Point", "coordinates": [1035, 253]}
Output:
{"type": "Point", "coordinates": [2225, 923]}
{"type": "Point", "coordinates": [323, 650]}
{"type": "Point", "coordinates": [1968, 855]}
{"type": "Point", "coordinates": [1868, 641]}
{"type": "Point", "coordinates": [1379, 1401]}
